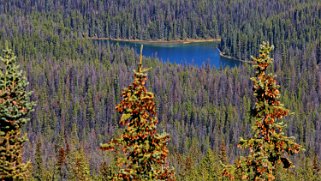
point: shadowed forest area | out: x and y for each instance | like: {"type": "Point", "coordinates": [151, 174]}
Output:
{"type": "Point", "coordinates": [77, 83]}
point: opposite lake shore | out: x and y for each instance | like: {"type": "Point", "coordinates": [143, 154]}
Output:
{"type": "Point", "coordinates": [186, 41]}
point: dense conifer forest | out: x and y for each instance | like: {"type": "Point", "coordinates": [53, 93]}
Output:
{"type": "Point", "coordinates": [77, 82]}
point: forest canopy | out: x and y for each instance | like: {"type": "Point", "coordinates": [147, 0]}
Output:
{"type": "Point", "coordinates": [77, 82]}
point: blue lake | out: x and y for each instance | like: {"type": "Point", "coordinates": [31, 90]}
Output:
{"type": "Point", "coordinates": [188, 54]}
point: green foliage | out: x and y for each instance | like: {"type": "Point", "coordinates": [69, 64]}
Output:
{"type": "Point", "coordinates": [77, 162]}
{"type": "Point", "coordinates": [208, 168]}
{"type": "Point", "coordinates": [15, 104]}
{"type": "Point", "coordinates": [78, 166]}
{"type": "Point", "coordinates": [144, 150]}
{"type": "Point", "coordinates": [107, 171]}
{"type": "Point", "coordinates": [71, 161]}
{"type": "Point", "coordinates": [76, 80]}
{"type": "Point", "coordinates": [269, 145]}
{"type": "Point", "coordinates": [38, 166]}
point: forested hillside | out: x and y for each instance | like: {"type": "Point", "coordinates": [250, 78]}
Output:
{"type": "Point", "coordinates": [77, 82]}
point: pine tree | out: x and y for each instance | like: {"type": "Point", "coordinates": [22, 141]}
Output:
{"type": "Point", "coordinates": [15, 105]}
{"type": "Point", "coordinates": [61, 164]}
{"type": "Point", "coordinates": [106, 171]}
{"type": "Point", "coordinates": [145, 151]}
{"type": "Point", "coordinates": [79, 166]}
{"type": "Point", "coordinates": [38, 165]}
{"type": "Point", "coordinates": [269, 146]}
{"type": "Point", "coordinates": [77, 163]}
{"type": "Point", "coordinates": [207, 168]}
{"type": "Point", "coordinates": [316, 165]}
{"type": "Point", "coordinates": [222, 155]}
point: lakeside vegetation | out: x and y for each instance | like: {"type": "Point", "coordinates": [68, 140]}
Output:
{"type": "Point", "coordinates": [222, 54]}
{"type": "Point", "coordinates": [77, 83]}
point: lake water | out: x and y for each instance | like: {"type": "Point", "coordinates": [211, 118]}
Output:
{"type": "Point", "coordinates": [189, 54]}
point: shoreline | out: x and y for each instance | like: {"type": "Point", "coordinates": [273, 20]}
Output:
{"type": "Point", "coordinates": [187, 41]}
{"type": "Point", "coordinates": [232, 58]}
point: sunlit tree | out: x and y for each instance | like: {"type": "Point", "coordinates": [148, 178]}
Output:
{"type": "Point", "coordinates": [144, 150]}
{"type": "Point", "coordinates": [15, 105]}
{"type": "Point", "coordinates": [269, 146]}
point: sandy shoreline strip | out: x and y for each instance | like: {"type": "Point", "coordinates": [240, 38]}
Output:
{"type": "Point", "coordinates": [160, 41]}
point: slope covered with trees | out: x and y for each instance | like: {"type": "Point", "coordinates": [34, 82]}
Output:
{"type": "Point", "coordinates": [199, 107]}
{"type": "Point", "coordinates": [77, 82]}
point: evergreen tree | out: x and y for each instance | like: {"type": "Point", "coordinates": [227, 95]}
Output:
{"type": "Point", "coordinates": [222, 155]}
{"type": "Point", "coordinates": [77, 163]}
{"type": "Point", "coordinates": [106, 171]}
{"type": "Point", "coordinates": [208, 169]}
{"type": "Point", "coordinates": [15, 104]}
{"type": "Point", "coordinates": [316, 165]}
{"type": "Point", "coordinates": [38, 165]}
{"type": "Point", "coordinates": [145, 152]}
{"type": "Point", "coordinates": [269, 145]}
{"type": "Point", "coordinates": [79, 166]}
{"type": "Point", "coordinates": [61, 164]}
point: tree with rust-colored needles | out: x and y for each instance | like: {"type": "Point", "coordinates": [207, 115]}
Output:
{"type": "Point", "coordinates": [144, 150]}
{"type": "Point", "coordinates": [269, 145]}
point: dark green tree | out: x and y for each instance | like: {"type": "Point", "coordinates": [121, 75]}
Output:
{"type": "Point", "coordinates": [15, 105]}
{"type": "Point", "coordinates": [38, 165]}
{"type": "Point", "coordinates": [269, 145]}
{"type": "Point", "coordinates": [145, 151]}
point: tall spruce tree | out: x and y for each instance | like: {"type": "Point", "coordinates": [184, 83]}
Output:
{"type": "Point", "coordinates": [38, 165]}
{"type": "Point", "coordinates": [144, 150]}
{"type": "Point", "coordinates": [269, 146]}
{"type": "Point", "coordinates": [15, 104]}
